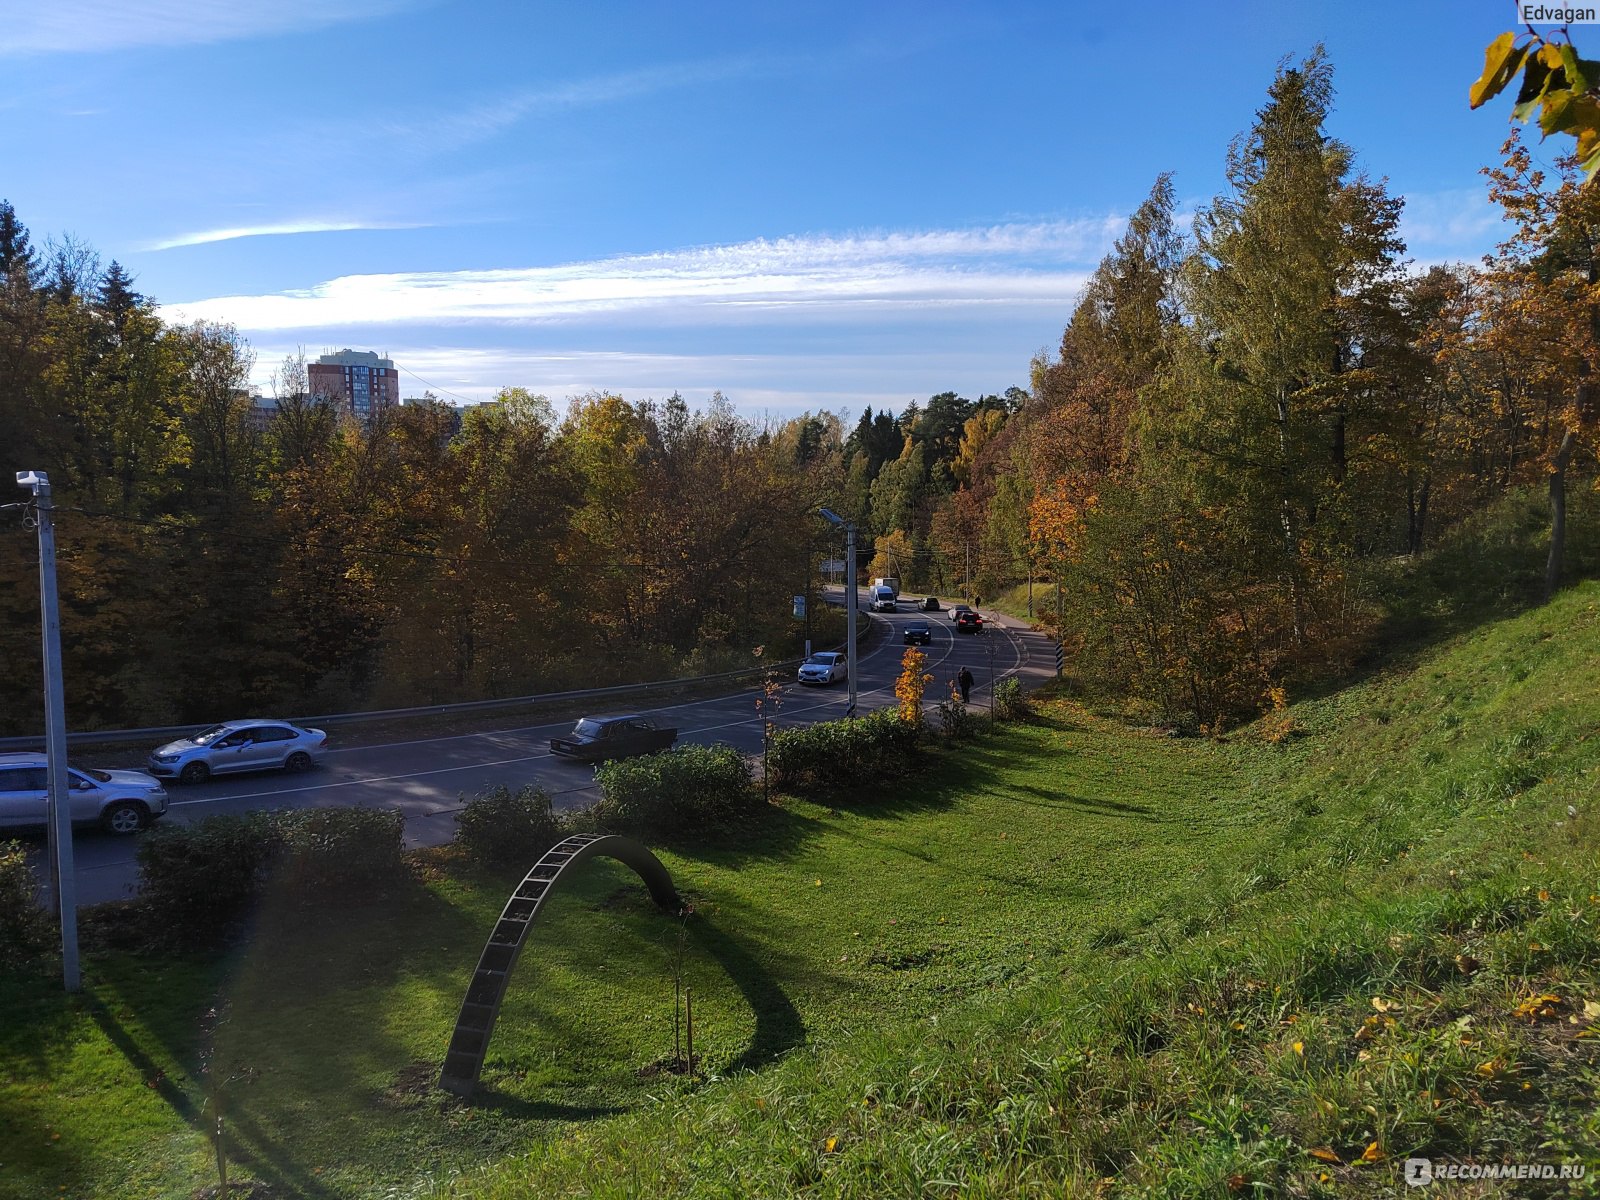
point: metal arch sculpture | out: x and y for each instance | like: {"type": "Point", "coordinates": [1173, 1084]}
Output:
{"type": "Point", "coordinates": [463, 1062]}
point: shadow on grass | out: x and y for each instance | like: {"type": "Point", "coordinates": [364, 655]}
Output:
{"type": "Point", "coordinates": [942, 774]}
{"type": "Point", "coordinates": [245, 1142]}
{"type": "Point", "coordinates": [779, 1027]}
{"type": "Point", "coordinates": [525, 1109]}
{"type": "Point", "coordinates": [1065, 800]}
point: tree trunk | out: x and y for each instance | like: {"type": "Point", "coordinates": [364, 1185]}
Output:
{"type": "Point", "coordinates": [1291, 539]}
{"type": "Point", "coordinates": [1558, 513]}
{"type": "Point", "coordinates": [1417, 515]}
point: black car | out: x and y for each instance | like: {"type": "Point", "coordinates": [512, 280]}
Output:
{"type": "Point", "coordinates": [969, 622]}
{"type": "Point", "coordinates": [596, 738]}
{"type": "Point", "coordinates": [919, 633]}
{"type": "Point", "coordinates": [931, 604]}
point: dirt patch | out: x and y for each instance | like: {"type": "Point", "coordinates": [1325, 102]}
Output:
{"type": "Point", "coordinates": [414, 1084]}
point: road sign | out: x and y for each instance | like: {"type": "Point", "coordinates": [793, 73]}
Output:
{"type": "Point", "coordinates": [1061, 658]}
{"type": "Point", "coordinates": [799, 608]}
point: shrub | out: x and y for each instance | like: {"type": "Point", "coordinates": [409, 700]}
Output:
{"type": "Point", "coordinates": [690, 787]}
{"type": "Point", "coordinates": [341, 853]}
{"type": "Point", "coordinates": [1009, 702]}
{"type": "Point", "coordinates": [502, 829]}
{"type": "Point", "coordinates": [201, 878]}
{"type": "Point", "coordinates": [835, 754]}
{"type": "Point", "coordinates": [958, 720]}
{"type": "Point", "coordinates": [24, 926]}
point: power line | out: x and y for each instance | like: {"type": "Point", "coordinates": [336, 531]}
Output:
{"type": "Point", "coordinates": [433, 386]}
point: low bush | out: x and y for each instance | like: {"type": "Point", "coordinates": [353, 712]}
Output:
{"type": "Point", "coordinates": [341, 853]}
{"type": "Point", "coordinates": [1009, 702]}
{"type": "Point", "coordinates": [835, 754]}
{"type": "Point", "coordinates": [505, 830]}
{"type": "Point", "coordinates": [958, 720]}
{"type": "Point", "coordinates": [24, 926]}
{"type": "Point", "coordinates": [687, 788]}
{"type": "Point", "coordinates": [200, 879]}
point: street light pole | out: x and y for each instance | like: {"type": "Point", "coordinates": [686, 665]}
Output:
{"type": "Point", "coordinates": [58, 808]}
{"type": "Point", "coordinates": [851, 599]}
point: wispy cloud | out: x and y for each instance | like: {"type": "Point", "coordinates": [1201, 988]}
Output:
{"type": "Point", "coordinates": [80, 26]}
{"type": "Point", "coordinates": [1015, 264]}
{"type": "Point", "coordinates": [782, 383]}
{"type": "Point", "coordinates": [1459, 223]}
{"type": "Point", "coordinates": [277, 229]}
{"type": "Point", "coordinates": [478, 122]}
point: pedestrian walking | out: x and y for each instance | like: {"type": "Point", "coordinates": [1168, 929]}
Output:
{"type": "Point", "coordinates": [964, 682]}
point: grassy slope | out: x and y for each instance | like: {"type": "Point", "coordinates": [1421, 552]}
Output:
{"type": "Point", "coordinates": [1400, 882]}
{"type": "Point", "coordinates": [1067, 953]}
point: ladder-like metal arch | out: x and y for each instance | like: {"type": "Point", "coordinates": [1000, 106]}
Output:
{"type": "Point", "coordinates": [463, 1062]}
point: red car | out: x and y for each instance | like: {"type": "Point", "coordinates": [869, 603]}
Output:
{"type": "Point", "coordinates": [969, 622]}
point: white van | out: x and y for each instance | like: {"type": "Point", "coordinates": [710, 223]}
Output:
{"type": "Point", "coordinates": [883, 599]}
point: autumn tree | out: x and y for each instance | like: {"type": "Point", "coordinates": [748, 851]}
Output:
{"type": "Point", "coordinates": [1541, 311]}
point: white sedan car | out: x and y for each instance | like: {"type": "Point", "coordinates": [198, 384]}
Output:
{"type": "Point", "coordinates": [829, 666]}
{"type": "Point", "coordinates": [238, 746]}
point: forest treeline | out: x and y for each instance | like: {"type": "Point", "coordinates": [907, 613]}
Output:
{"type": "Point", "coordinates": [1257, 425]}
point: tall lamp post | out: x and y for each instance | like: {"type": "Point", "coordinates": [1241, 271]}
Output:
{"type": "Point", "coordinates": [851, 599]}
{"type": "Point", "coordinates": [59, 812]}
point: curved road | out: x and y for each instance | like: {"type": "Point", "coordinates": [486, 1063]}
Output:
{"type": "Point", "coordinates": [429, 778]}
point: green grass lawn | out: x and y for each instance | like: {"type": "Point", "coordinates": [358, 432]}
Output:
{"type": "Point", "coordinates": [1065, 953]}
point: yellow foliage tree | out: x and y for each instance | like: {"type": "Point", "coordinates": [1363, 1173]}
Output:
{"type": "Point", "coordinates": [913, 682]}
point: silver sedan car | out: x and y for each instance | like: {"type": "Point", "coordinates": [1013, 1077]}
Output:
{"type": "Point", "coordinates": [122, 801]}
{"type": "Point", "coordinates": [238, 746]}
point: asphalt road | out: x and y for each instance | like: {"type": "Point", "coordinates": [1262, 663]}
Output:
{"type": "Point", "coordinates": [429, 779]}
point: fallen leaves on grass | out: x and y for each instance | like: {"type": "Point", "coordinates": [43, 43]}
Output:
{"type": "Point", "coordinates": [1542, 1006]}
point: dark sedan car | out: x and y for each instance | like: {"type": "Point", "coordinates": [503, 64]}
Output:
{"type": "Point", "coordinates": [930, 604]}
{"type": "Point", "coordinates": [919, 633]}
{"type": "Point", "coordinates": [596, 738]}
{"type": "Point", "coordinates": [969, 622]}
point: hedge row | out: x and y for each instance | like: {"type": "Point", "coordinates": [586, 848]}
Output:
{"type": "Point", "coordinates": [834, 754]}
{"type": "Point", "coordinates": [199, 880]}
{"type": "Point", "coordinates": [501, 829]}
{"type": "Point", "coordinates": [24, 926]}
{"type": "Point", "coordinates": [684, 789]}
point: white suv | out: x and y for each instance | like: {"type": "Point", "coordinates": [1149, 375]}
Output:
{"type": "Point", "coordinates": [121, 801]}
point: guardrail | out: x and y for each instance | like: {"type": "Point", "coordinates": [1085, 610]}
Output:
{"type": "Point", "coordinates": [100, 737]}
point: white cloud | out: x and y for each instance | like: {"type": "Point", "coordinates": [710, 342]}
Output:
{"type": "Point", "coordinates": [1461, 222]}
{"type": "Point", "coordinates": [205, 237]}
{"type": "Point", "coordinates": [1004, 265]}
{"type": "Point", "coordinates": [780, 383]}
{"type": "Point", "coordinates": [79, 26]}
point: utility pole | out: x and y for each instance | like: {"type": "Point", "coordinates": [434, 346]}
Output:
{"type": "Point", "coordinates": [989, 643]}
{"type": "Point", "coordinates": [58, 808]}
{"type": "Point", "coordinates": [851, 598]}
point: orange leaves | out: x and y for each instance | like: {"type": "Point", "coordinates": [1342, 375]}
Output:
{"type": "Point", "coordinates": [913, 682]}
{"type": "Point", "coordinates": [1540, 1007]}
{"type": "Point", "coordinates": [1056, 516]}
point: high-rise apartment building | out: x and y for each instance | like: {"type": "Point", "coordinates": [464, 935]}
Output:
{"type": "Point", "coordinates": [357, 379]}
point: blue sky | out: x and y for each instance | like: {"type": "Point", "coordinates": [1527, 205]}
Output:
{"type": "Point", "coordinates": [805, 205]}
